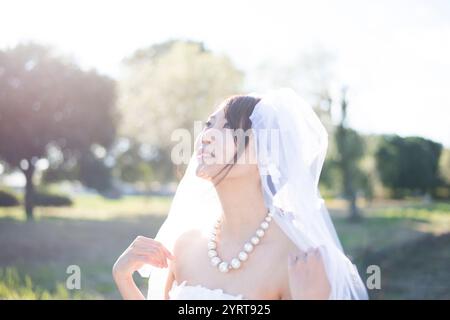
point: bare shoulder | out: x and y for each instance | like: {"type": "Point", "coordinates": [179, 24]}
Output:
{"type": "Point", "coordinates": [184, 251]}
{"type": "Point", "coordinates": [185, 240]}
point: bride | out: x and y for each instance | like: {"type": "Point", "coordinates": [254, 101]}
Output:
{"type": "Point", "coordinates": [247, 220]}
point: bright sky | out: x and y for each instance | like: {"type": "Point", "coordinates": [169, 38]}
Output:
{"type": "Point", "coordinates": [393, 54]}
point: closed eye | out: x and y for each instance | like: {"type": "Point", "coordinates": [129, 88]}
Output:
{"type": "Point", "coordinates": [209, 123]}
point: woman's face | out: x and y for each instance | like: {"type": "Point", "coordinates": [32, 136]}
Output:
{"type": "Point", "coordinates": [216, 148]}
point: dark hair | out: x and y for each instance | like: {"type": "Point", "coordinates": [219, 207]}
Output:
{"type": "Point", "coordinates": [238, 109]}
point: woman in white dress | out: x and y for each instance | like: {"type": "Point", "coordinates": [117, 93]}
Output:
{"type": "Point", "coordinates": [247, 220]}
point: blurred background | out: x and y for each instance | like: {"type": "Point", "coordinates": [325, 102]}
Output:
{"type": "Point", "coordinates": [90, 92]}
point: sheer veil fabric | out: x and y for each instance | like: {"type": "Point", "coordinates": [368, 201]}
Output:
{"type": "Point", "coordinates": [291, 145]}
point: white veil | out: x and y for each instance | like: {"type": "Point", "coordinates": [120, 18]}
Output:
{"type": "Point", "coordinates": [290, 160]}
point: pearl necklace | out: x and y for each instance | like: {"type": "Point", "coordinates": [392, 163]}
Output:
{"type": "Point", "coordinates": [235, 263]}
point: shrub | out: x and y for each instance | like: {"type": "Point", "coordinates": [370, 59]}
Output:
{"type": "Point", "coordinates": [8, 199]}
{"type": "Point", "coordinates": [51, 200]}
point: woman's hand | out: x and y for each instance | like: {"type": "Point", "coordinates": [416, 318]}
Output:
{"type": "Point", "coordinates": [141, 251]}
{"type": "Point", "coordinates": [307, 276]}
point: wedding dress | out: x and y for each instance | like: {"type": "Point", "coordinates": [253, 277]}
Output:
{"type": "Point", "coordinates": [183, 291]}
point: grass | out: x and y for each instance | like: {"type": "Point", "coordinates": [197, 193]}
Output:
{"type": "Point", "coordinates": [91, 234]}
{"type": "Point", "coordinates": [415, 270]}
{"type": "Point", "coordinates": [382, 226]}
{"type": "Point", "coordinates": [13, 286]}
{"type": "Point", "coordinates": [409, 240]}
{"type": "Point", "coordinates": [93, 207]}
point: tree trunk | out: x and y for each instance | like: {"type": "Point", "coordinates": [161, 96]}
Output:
{"type": "Point", "coordinates": [354, 212]}
{"type": "Point", "coordinates": [350, 194]}
{"type": "Point", "coordinates": [29, 191]}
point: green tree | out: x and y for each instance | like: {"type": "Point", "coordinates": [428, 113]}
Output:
{"type": "Point", "coordinates": [169, 86]}
{"type": "Point", "coordinates": [350, 149]}
{"type": "Point", "coordinates": [46, 100]}
{"type": "Point", "coordinates": [443, 191]}
{"type": "Point", "coordinates": [89, 167]}
{"type": "Point", "coordinates": [444, 166]}
{"type": "Point", "coordinates": [133, 164]}
{"type": "Point", "coordinates": [408, 165]}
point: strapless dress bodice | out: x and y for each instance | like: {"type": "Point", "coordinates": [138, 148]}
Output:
{"type": "Point", "coordinates": [183, 291]}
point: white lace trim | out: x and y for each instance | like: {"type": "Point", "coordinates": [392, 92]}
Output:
{"type": "Point", "coordinates": [198, 292]}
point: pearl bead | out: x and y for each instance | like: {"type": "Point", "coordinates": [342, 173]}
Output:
{"type": "Point", "coordinates": [235, 263]}
{"type": "Point", "coordinates": [212, 253]}
{"type": "Point", "coordinates": [254, 240]}
{"type": "Point", "coordinates": [248, 247]}
{"type": "Point", "coordinates": [212, 245]}
{"type": "Point", "coordinates": [260, 232]}
{"type": "Point", "coordinates": [215, 261]}
{"type": "Point", "coordinates": [223, 267]}
{"type": "Point", "coordinates": [243, 256]}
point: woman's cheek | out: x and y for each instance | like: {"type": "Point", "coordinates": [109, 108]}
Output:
{"type": "Point", "coordinates": [229, 148]}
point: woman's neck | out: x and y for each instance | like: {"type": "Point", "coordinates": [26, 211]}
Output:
{"type": "Point", "coordinates": [243, 206]}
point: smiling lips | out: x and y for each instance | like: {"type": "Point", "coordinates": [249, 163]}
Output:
{"type": "Point", "coordinates": [202, 153]}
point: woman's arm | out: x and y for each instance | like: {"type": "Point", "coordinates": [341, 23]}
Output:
{"type": "Point", "coordinates": [127, 288]}
{"type": "Point", "coordinates": [141, 251]}
{"type": "Point", "coordinates": [170, 280]}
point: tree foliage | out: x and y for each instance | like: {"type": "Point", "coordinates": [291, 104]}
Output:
{"type": "Point", "coordinates": [46, 100]}
{"type": "Point", "coordinates": [169, 86]}
{"type": "Point", "coordinates": [408, 164]}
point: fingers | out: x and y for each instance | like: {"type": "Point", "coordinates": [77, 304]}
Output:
{"type": "Point", "coordinates": [317, 254]}
{"type": "Point", "coordinates": [292, 259]}
{"type": "Point", "coordinates": [147, 259]}
{"type": "Point", "coordinates": [151, 252]}
{"type": "Point", "coordinates": [152, 242]}
{"type": "Point", "coordinates": [168, 254]}
{"type": "Point", "coordinates": [304, 257]}
{"type": "Point", "coordinates": [147, 246]}
{"type": "Point", "coordinates": [307, 275]}
{"type": "Point", "coordinates": [164, 252]}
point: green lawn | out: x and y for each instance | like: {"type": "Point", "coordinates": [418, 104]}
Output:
{"type": "Point", "coordinates": [387, 226]}
{"type": "Point", "coordinates": [93, 207]}
{"type": "Point", "coordinates": [92, 233]}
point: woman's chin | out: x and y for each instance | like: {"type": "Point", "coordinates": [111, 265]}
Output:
{"type": "Point", "coordinates": [206, 171]}
{"type": "Point", "coordinates": [202, 171]}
